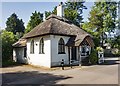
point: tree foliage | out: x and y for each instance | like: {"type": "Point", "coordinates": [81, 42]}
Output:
{"type": "Point", "coordinates": [14, 24]}
{"type": "Point", "coordinates": [8, 38]}
{"type": "Point", "coordinates": [116, 42]}
{"type": "Point", "coordinates": [93, 58]}
{"type": "Point", "coordinates": [103, 16]}
{"type": "Point", "coordinates": [47, 13]}
{"type": "Point", "coordinates": [54, 10]}
{"type": "Point", "coordinates": [73, 11]}
{"type": "Point", "coordinates": [35, 19]}
{"type": "Point", "coordinates": [102, 19]}
{"type": "Point", "coordinates": [119, 15]}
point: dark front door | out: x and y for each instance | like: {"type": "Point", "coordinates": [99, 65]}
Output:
{"type": "Point", "coordinates": [73, 53]}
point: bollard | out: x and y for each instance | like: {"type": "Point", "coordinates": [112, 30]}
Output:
{"type": "Point", "coordinates": [62, 64]}
{"type": "Point", "coordinates": [71, 63]}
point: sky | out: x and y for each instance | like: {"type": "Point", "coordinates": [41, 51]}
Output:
{"type": "Point", "coordinates": [25, 9]}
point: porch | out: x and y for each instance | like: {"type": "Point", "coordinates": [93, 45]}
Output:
{"type": "Point", "coordinates": [78, 55]}
{"type": "Point", "coordinates": [78, 50]}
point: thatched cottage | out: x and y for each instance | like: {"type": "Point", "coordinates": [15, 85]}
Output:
{"type": "Point", "coordinates": [53, 40]}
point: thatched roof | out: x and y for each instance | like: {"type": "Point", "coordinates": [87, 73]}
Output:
{"type": "Point", "coordinates": [58, 26]}
{"type": "Point", "coordinates": [72, 42]}
{"type": "Point", "coordinates": [20, 43]}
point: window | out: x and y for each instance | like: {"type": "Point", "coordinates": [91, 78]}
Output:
{"type": "Point", "coordinates": [83, 49]}
{"type": "Point", "coordinates": [32, 47]}
{"type": "Point", "coordinates": [25, 52]}
{"type": "Point", "coordinates": [61, 46]}
{"type": "Point", "coordinates": [41, 46]}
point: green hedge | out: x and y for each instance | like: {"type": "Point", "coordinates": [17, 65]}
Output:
{"type": "Point", "coordinates": [93, 58]}
{"type": "Point", "coordinates": [8, 63]}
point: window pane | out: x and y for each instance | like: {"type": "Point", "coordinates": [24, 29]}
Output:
{"type": "Point", "coordinates": [25, 52]}
{"type": "Point", "coordinates": [61, 46]}
{"type": "Point", "coordinates": [32, 47]}
{"type": "Point", "coordinates": [41, 48]}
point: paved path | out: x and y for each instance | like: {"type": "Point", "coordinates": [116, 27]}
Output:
{"type": "Point", "coordinates": [97, 74]}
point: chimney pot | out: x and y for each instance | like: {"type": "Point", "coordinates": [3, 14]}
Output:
{"type": "Point", "coordinates": [44, 16]}
{"type": "Point", "coordinates": [61, 3]}
{"type": "Point", "coordinates": [60, 9]}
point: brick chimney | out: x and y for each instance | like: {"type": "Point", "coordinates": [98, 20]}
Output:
{"type": "Point", "coordinates": [60, 10]}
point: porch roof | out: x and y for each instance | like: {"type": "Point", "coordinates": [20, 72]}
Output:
{"type": "Point", "coordinates": [20, 43]}
{"type": "Point", "coordinates": [72, 42]}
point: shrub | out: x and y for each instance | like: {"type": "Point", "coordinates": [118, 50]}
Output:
{"type": "Point", "coordinates": [99, 49]}
{"type": "Point", "coordinates": [8, 38]}
{"type": "Point", "coordinates": [93, 57]}
{"type": "Point", "coordinates": [7, 63]}
{"type": "Point", "coordinates": [96, 41]}
{"type": "Point", "coordinates": [116, 52]}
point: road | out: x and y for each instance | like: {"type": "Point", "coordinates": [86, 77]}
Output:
{"type": "Point", "coordinates": [95, 74]}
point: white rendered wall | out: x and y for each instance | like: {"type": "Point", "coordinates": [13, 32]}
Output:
{"type": "Point", "coordinates": [37, 58]}
{"type": "Point", "coordinates": [14, 55]}
{"type": "Point", "coordinates": [57, 58]}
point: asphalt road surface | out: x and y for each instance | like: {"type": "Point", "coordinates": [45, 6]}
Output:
{"type": "Point", "coordinates": [96, 74]}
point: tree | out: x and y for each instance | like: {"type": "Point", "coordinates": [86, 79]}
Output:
{"type": "Point", "coordinates": [119, 15]}
{"type": "Point", "coordinates": [88, 27]}
{"type": "Point", "coordinates": [74, 10]}
{"type": "Point", "coordinates": [14, 24]}
{"type": "Point", "coordinates": [102, 18]}
{"type": "Point", "coordinates": [47, 13]}
{"type": "Point", "coordinates": [116, 42]}
{"type": "Point", "coordinates": [54, 10]}
{"type": "Point", "coordinates": [35, 19]}
{"type": "Point", "coordinates": [8, 38]}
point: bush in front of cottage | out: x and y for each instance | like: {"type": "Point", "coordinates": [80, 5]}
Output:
{"type": "Point", "coordinates": [93, 58]}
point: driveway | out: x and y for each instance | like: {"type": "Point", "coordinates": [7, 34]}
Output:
{"type": "Point", "coordinates": [97, 74]}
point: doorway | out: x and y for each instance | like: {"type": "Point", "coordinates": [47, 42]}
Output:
{"type": "Point", "coordinates": [73, 53]}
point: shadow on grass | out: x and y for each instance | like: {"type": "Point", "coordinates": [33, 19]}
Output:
{"type": "Point", "coordinates": [10, 63]}
{"type": "Point", "coordinates": [30, 78]}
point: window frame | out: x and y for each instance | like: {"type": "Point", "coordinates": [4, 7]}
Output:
{"type": "Point", "coordinates": [25, 52]}
{"type": "Point", "coordinates": [61, 46]}
{"type": "Point", "coordinates": [84, 47]}
{"type": "Point", "coordinates": [41, 46]}
{"type": "Point", "coordinates": [32, 46]}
